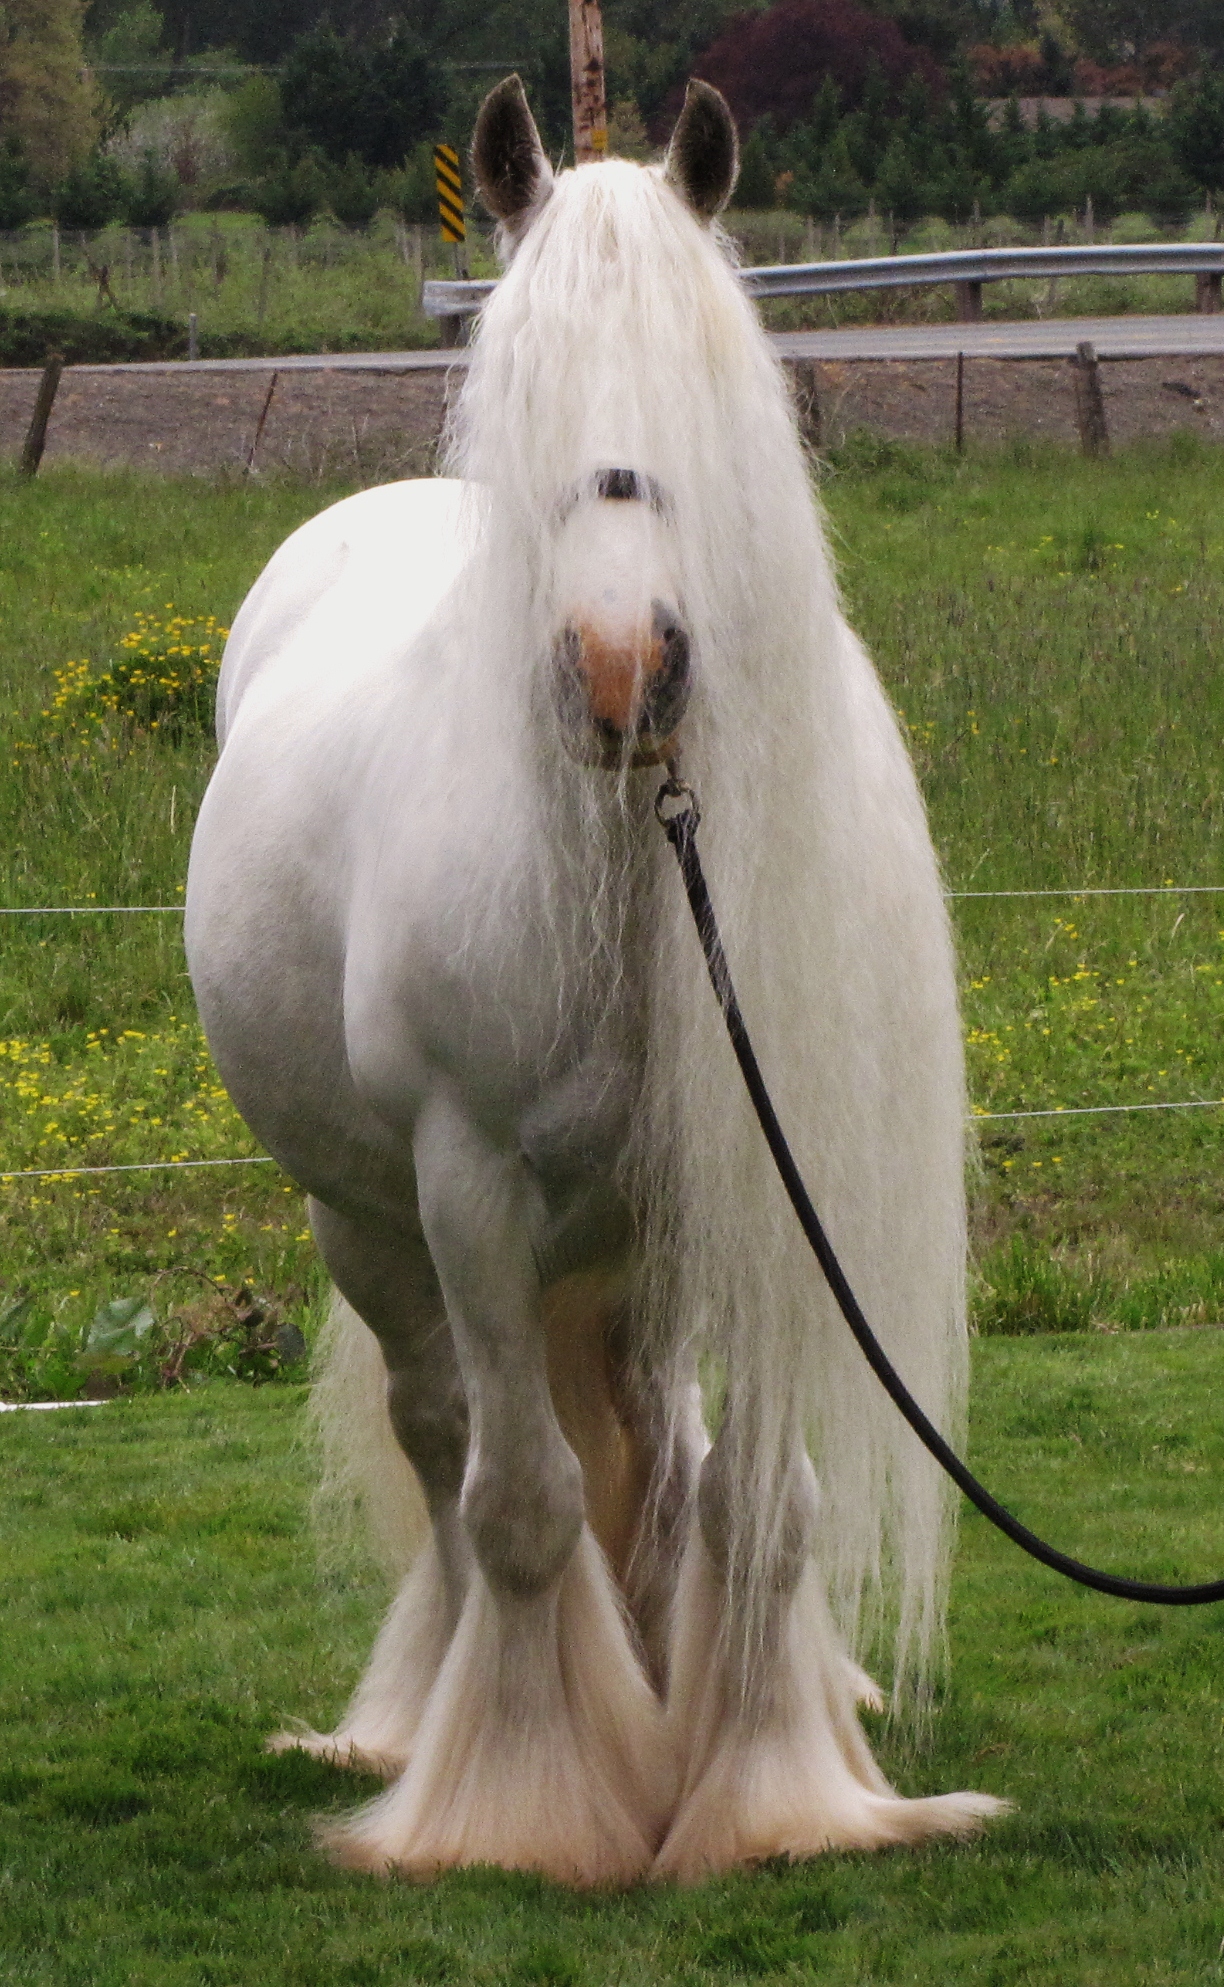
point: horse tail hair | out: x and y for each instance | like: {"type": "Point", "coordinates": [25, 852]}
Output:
{"type": "Point", "coordinates": [368, 1497]}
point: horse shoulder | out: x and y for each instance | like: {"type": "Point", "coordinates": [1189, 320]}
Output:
{"type": "Point", "coordinates": [380, 562]}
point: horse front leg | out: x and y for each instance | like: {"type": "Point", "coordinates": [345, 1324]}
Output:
{"type": "Point", "coordinates": [539, 1745]}
{"type": "Point", "coordinates": [391, 1377]}
{"type": "Point", "coordinates": [763, 1700]}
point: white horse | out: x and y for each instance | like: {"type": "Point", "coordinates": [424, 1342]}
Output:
{"type": "Point", "coordinates": [447, 971]}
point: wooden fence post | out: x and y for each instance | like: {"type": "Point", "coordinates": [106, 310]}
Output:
{"type": "Point", "coordinates": [969, 303]}
{"type": "Point", "coordinates": [1089, 401]}
{"type": "Point", "coordinates": [259, 428]}
{"type": "Point", "coordinates": [1207, 291]}
{"type": "Point", "coordinates": [36, 437]}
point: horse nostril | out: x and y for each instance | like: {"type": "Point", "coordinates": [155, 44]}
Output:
{"type": "Point", "coordinates": [667, 689]}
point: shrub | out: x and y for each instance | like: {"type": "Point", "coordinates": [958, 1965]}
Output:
{"type": "Point", "coordinates": [89, 196]}
{"type": "Point", "coordinates": [352, 195]}
{"type": "Point", "coordinates": [291, 196]}
{"type": "Point", "coordinates": [27, 336]}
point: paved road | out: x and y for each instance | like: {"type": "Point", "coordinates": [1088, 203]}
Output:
{"type": "Point", "coordinates": [1050, 338]}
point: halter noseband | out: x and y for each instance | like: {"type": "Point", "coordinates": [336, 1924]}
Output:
{"type": "Point", "coordinates": [622, 486]}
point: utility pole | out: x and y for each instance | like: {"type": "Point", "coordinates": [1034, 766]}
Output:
{"type": "Point", "coordinates": [587, 81]}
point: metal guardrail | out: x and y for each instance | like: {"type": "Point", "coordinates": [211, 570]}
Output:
{"type": "Point", "coordinates": [968, 269]}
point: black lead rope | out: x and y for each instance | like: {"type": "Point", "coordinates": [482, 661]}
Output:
{"type": "Point", "coordinates": [680, 827]}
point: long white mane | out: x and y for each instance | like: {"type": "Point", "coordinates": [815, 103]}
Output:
{"type": "Point", "coordinates": [620, 336]}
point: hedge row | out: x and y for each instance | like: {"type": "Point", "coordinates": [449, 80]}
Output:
{"type": "Point", "coordinates": [26, 337]}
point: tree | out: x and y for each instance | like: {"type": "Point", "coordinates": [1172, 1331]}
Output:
{"type": "Point", "coordinates": [1197, 129]}
{"type": "Point", "coordinates": [253, 118]}
{"type": "Point", "coordinates": [352, 194]}
{"type": "Point", "coordinates": [153, 198]}
{"type": "Point", "coordinates": [755, 186]}
{"type": "Point", "coordinates": [898, 189]}
{"type": "Point", "coordinates": [130, 58]}
{"type": "Point", "coordinates": [16, 192]}
{"type": "Point", "coordinates": [774, 63]}
{"type": "Point", "coordinates": [291, 196]}
{"type": "Point", "coordinates": [374, 104]}
{"type": "Point", "coordinates": [831, 189]}
{"type": "Point", "coordinates": [89, 195]}
{"type": "Point", "coordinates": [48, 100]}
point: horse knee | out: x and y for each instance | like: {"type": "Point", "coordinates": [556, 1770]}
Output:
{"type": "Point", "coordinates": [524, 1524]}
{"type": "Point", "coordinates": [787, 1548]}
{"type": "Point", "coordinates": [431, 1431]}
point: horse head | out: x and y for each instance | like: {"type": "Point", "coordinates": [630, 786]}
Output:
{"type": "Point", "coordinates": [622, 652]}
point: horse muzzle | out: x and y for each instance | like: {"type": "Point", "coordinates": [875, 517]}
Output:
{"type": "Point", "coordinates": [621, 698]}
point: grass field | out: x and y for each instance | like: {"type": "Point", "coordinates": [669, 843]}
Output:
{"type": "Point", "coordinates": [1050, 629]}
{"type": "Point", "coordinates": [162, 1614]}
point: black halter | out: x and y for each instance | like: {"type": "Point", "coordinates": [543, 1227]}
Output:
{"type": "Point", "coordinates": [618, 486]}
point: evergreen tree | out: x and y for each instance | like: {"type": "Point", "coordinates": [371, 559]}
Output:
{"type": "Point", "coordinates": [829, 187]}
{"type": "Point", "coordinates": [48, 101]}
{"type": "Point", "coordinates": [352, 195]}
{"type": "Point", "coordinates": [89, 195]}
{"type": "Point", "coordinates": [899, 193]}
{"type": "Point", "coordinates": [826, 114]}
{"type": "Point", "coordinates": [757, 174]}
{"type": "Point", "coordinates": [869, 129]}
{"type": "Point", "coordinates": [1197, 125]}
{"type": "Point", "coordinates": [1013, 143]}
{"type": "Point", "coordinates": [16, 193]}
{"type": "Point", "coordinates": [152, 199]}
{"type": "Point", "coordinates": [373, 104]}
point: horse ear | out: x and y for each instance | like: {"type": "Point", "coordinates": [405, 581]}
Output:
{"type": "Point", "coordinates": [702, 160]}
{"type": "Point", "coordinates": [508, 162]}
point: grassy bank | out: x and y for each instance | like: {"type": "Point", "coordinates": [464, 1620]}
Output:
{"type": "Point", "coordinates": [325, 288]}
{"type": "Point", "coordinates": [1050, 629]}
{"type": "Point", "coordinates": [162, 1614]}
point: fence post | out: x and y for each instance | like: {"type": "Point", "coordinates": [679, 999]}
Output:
{"type": "Point", "coordinates": [193, 335]}
{"type": "Point", "coordinates": [1089, 401]}
{"type": "Point", "coordinates": [36, 437]}
{"type": "Point", "coordinates": [250, 461]}
{"type": "Point", "coordinates": [1207, 291]}
{"type": "Point", "coordinates": [969, 303]}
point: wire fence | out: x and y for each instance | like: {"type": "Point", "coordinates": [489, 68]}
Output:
{"type": "Point", "coordinates": [978, 1116]}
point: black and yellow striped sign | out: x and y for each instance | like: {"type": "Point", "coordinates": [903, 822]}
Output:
{"type": "Point", "coordinates": [450, 193]}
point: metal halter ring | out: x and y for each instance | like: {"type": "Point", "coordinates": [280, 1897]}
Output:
{"type": "Point", "coordinates": [676, 789]}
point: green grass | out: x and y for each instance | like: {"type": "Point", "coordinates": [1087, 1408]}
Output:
{"type": "Point", "coordinates": [162, 1614]}
{"type": "Point", "coordinates": [1050, 629]}
{"type": "Point", "coordinates": [100, 1046]}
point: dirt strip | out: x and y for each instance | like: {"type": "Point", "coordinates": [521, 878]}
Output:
{"type": "Point", "coordinates": [373, 426]}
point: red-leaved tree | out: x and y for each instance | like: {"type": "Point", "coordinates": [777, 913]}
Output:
{"type": "Point", "coordinates": [774, 63]}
